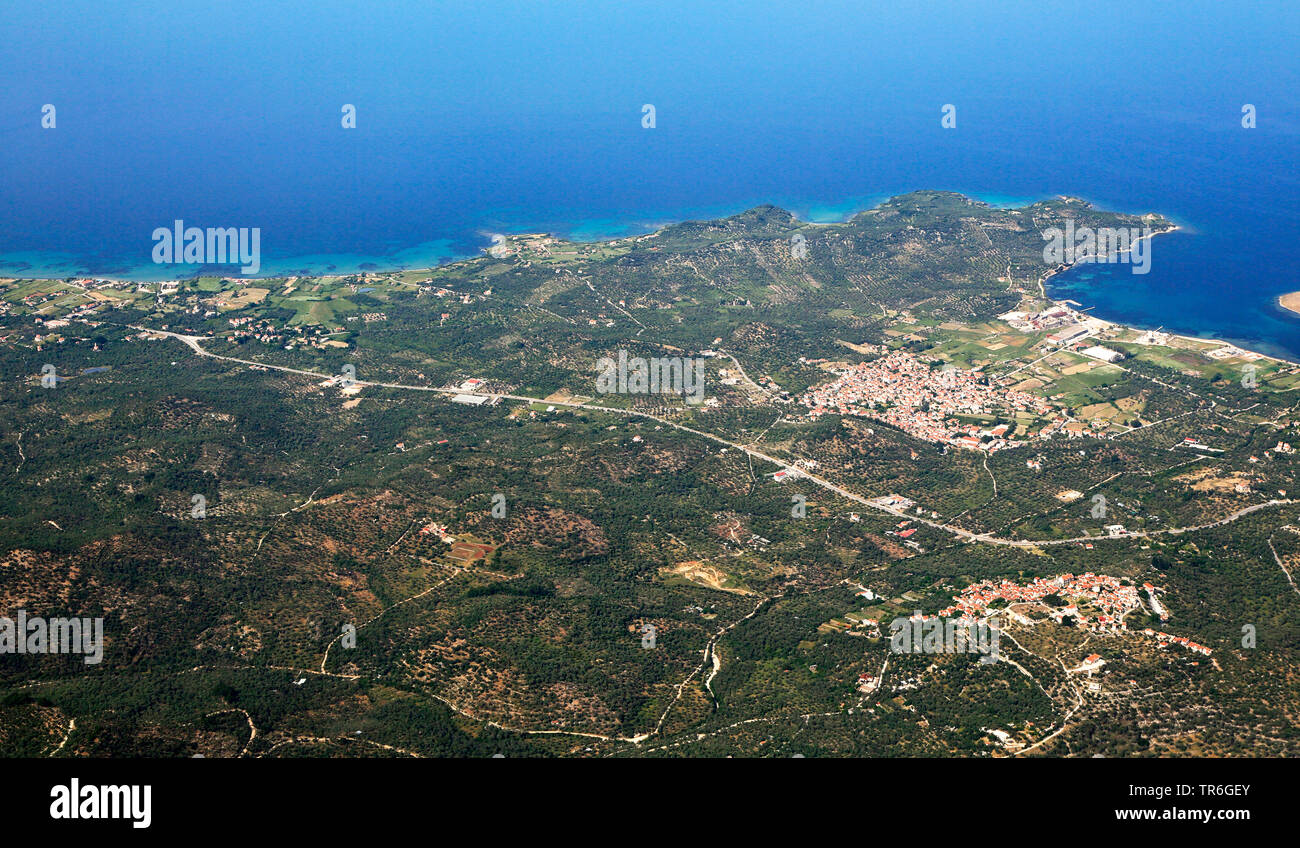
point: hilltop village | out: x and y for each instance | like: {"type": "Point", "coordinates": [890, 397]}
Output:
{"type": "Point", "coordinates": [1110, 601]}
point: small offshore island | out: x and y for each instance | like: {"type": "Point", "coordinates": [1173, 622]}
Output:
{"type": "Point", "coordinates": [322, 306]}
{"type": "Point", "coordinates": [922, 278]}
{"type": "Point", "coordinates": [1290, 302]}
{"type": "Point", "coordinates": [895, 418]}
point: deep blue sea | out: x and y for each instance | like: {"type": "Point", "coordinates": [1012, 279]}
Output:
{"type": "Point", "coordinates": [527, 116]}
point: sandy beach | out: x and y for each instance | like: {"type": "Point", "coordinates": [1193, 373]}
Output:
{"type": "Point", "coordinates": [1290, 302]}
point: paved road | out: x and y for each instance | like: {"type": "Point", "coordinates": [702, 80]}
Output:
{"type": "Point", "coordinates": [961, 533]}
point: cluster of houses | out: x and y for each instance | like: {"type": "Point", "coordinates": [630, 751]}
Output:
{"type": "Point", "coordinates": [248, 328]}
{"type": "Point", "coordinates": [40, 298]}
{"type": "Point", "coordinates": [255, 329]}
{"type": "Point", "coordinates": [905, 392]}
{"type": "Point", "coordinates": [1166, 639]}
{"type": "Point", "coordinates": [1113, 598]}
{"type": "Point", "coordinates": [440, 291]}
{"type": "Point", "coordinates": [1061, 426]}
{"type": "Point", "coordinates": [439, 530]}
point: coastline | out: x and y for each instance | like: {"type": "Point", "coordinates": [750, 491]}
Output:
{"type": "Point", "coordinates": [49, 265]}
{"type": "Point", "coordinates": [496, 247]}
{"type": "Point", "coordinates": [444, 255]}
{"type": "Point", "coordinates": [1113, 325]}
{"type": "Point", "coordinates": [1294, 298]}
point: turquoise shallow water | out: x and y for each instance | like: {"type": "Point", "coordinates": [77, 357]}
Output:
{"type": "Point", "coordinates": [509, 117]}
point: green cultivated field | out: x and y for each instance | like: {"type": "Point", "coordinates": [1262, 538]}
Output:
{"type": "Point", "coordinates": [321, 509]}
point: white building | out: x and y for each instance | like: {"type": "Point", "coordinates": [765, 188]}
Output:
{"type": "Point", "coordinates": [1105, 354]}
